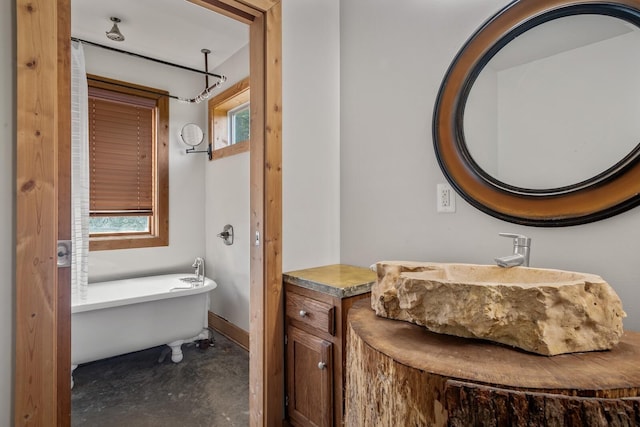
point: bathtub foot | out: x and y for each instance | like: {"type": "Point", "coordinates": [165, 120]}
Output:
{"type": "Point", "coordinates": [176, 346]}
{"type": "Point", "coordinates": [176, 351]}
{"type": "Point", "coordinates": [73, 368]}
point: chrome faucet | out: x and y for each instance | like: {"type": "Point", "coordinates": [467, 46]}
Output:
{"type": "Point", "coordinates": [521, 246]}
{"type": "Point", "coordinates": [198, 264]}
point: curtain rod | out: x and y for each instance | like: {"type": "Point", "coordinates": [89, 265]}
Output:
{"type": "Point", "coordinates": [160, 61]}
{"type": "Point", "coordinates": [202, 96]}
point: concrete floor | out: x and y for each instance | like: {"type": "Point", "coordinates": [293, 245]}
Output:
{"type": "Point", "coordinates": [208, 388]}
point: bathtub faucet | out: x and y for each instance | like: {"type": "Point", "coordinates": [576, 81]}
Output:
{"type": "Point", "coordinates": [198, 264]}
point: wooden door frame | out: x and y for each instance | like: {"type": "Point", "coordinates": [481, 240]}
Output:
{"type": "Point", "coordinates": [42, 307]}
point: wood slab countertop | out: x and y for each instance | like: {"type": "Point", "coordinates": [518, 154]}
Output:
{"type": "Point", "coordinates": [614, 373]}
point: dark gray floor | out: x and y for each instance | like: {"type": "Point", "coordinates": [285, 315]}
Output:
{"type": "Point", "coordinates": [208, 388]}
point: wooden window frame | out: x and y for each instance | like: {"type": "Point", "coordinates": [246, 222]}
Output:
{"type": "Point", "coordinates": [158, 234]}
{"type": "Point", "coordinates": [218, 109]}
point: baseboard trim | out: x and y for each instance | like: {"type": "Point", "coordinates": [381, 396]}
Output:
{"type": "Point", "coordinates": [229, 330]}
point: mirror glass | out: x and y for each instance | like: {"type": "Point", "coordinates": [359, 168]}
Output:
{"type": "Point", "coordinates": [192, 134]}
{"type": "Point", "coordinates": [558, 104]}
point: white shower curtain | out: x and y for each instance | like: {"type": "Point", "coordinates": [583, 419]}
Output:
{"type": "Point", "coordinates": [79, 174]}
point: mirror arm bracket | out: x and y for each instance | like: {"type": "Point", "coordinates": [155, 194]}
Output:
{"type": "Point", "coordinates": [208, 151]}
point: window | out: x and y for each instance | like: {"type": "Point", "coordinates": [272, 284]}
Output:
{"type": "Point", "coordinates": [229, 120]}
{"type": "Point", "coordinates": [128, 163]}
{"type": "Point", "coordinates": [238, 120]}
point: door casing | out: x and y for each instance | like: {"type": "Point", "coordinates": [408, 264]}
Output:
{"type": "Point", "coordinates": [42, 308]}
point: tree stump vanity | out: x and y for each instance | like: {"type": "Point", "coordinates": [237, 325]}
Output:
{"type": "Point", "coordinates": [400, 374]}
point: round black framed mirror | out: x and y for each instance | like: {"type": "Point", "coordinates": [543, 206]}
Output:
{"type": "Point", "coordinates": [521, 164]}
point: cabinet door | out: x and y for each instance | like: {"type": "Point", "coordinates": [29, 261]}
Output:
{"type": "Point", "coordinates": [309, 379]}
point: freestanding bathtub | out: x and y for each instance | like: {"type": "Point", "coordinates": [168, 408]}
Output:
{"type": "Point", "coordinates": [122, 316]}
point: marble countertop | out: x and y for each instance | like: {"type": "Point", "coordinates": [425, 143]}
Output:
{"type": "Point", "coordinates": [339, 280]}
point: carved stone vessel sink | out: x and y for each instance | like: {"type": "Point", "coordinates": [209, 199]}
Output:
{"type": "Point", "coordinates": [543, 311]}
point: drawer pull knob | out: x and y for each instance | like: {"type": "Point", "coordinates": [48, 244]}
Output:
{"type": "Point", "coordinates": [303, 313]}
{"type": "Point", "coordinates": [322, 365]}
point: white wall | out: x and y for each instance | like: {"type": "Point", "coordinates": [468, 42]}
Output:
{"type": "Point", "coordinates": [7, 194]}
{"type": "Point", "coordinates": [186, 171]}
{"type": "Point", "coordinates": [227, 202]}
{"type": "Point", "coordinates": [389, 173]}
{"type": "Point", "coordinates": [310, 133]}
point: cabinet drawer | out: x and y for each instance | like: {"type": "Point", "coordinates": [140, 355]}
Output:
{"type": "Point", "coordinates": [316, 314]}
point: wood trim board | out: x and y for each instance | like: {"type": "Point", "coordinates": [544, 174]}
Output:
{"type": "Point", "coordinates": [43, 132]}
{"type": "Point", "coordinates": [229, 330]}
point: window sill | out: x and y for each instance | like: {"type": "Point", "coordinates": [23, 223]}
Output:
{"type": "Point", "coordinates": [231, 150]}
{"type": "Point", "coordinates": [126, 242]}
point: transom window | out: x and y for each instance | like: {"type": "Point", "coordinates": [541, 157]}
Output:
{"type": "Point", "coordinates": [230, 120]}
{"type": "Point", "coordinates": [128, 165]}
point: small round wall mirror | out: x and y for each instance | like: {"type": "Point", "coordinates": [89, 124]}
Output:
{"type": "Point", "coordinates": [192, 134]}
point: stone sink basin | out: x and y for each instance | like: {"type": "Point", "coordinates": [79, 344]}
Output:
{"type": "Point", "coordinates": [539, 310]}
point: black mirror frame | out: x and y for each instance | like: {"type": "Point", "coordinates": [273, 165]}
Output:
{"type": "Point", "coordinates": [604, 195]}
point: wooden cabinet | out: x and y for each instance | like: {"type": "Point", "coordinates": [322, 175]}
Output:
{"type": "Point", "coordinates": [315, 326]}
{"type": "Point", "coordinates": [309, 378]}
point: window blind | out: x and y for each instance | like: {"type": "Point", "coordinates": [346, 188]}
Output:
{"type": "Point", "coordinates": [121, 135]}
